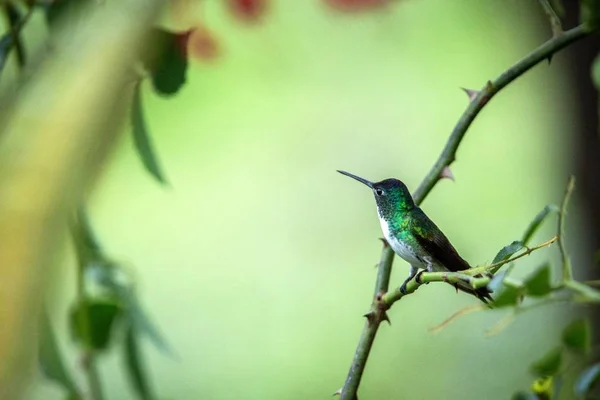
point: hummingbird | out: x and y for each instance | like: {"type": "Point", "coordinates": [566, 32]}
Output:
{"type": "Point", "coordinates": [413, 236]}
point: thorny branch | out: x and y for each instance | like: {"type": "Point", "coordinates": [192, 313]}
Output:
{"type": "Point", "coordinates": [478, 99]}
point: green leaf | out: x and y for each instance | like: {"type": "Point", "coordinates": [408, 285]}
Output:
{"type": "Point", "coordinates": [6, 43]}
{"type": "Point", "coordinates": [12, 38]}
{"type": "Point", "coordinates": [508, 297]}
{"type": "Point", "coordinates": [577, 336]}
{"type": "Point", "coordinates": [537, 222]}
{"type": "Point", "coordinates": [51, 361]}
{"type": "Point", "coordinates": [544, 386]}
{"type": "Point", "coordinates": [524, 396]}
{"type": "Point", "coordinates": [507, 251]}
{"type": "Point", "coordinates": [92, 322]}
{"type": "Point", "coordinates": [168, 67]}
{"type": "Point", "coordinates": [86, 245]}
{"type": "Point", "coordinates": [16, 22]}
{"type": "Point", "coordinates": [590, 13]}
{"type": "Point", "coordinates": [141, 138]}
{"type": "Point", "coordinates": [538, 283]}
{"type": "Point", "coordinates": [134, 312]}
{"type": "Point", "coordinates": [587, 380]}
{"type": "Point", "coordinates": [596, 72]}
{"type": "Point", "coordinates": [137, 376]}
{"type": "Point", "coordinates": [144, 324]}
{"type": "Point", "coordinates": [549, 364]}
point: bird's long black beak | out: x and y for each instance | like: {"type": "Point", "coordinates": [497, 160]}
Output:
{"type": "Point", "coordinates": [358, 178]}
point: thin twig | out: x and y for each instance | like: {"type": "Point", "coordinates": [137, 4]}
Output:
{"type": "Point", "coordinates": [458, 277]}
{"type": "Point", "coordinates": [555, 24]}
{"type": "Point", "coordinates": [446, 158]}
{"type": "Point", "coordinates": [567, 271]}
{"type": "Point", "coordinates": [463, 311]}
{"type": "Point", "coordinates": [588, 294]}
{"type": "Point", "coordinates": [493, 268]}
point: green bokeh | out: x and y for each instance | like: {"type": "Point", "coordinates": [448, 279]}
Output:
{"type": "Point", "coordinates": [258, 260]}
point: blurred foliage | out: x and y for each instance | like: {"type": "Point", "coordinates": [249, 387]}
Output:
{"type": "Point", "coordinates": [107, 312]}
{"type": "Point", "coordinates": [590, 13]}
{"type": "Point", "coordinates": [51, 361]}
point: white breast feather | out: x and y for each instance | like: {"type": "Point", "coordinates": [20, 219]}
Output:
{"type": "Point", "coordinates": [399, 247]}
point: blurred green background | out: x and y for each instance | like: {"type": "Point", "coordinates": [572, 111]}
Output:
{"type": "Point", "coordinates": [257, 261]}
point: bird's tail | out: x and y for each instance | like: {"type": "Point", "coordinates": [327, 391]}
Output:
{"type": "Point", "coordinates": [484, 294]}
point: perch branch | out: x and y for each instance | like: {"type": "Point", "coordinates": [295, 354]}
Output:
{"type": "Point", "coordinates": [458, 277]}
{"type": "Point", "coordinates": [448, 155]}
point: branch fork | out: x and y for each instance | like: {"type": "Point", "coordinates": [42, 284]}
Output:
{"type": "Point", "coordinates": [378, 312]}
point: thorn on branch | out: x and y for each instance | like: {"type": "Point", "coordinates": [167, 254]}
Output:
{"type": "Point", "coordinates": [490, 90]}
{"type": "Point", "coordinates": [447, 173]}
{"type": "Point", "coordinates": [337, 392]}
{"type": "Point", "coordinates": [386, 318]}
{"type": "Point", "coordinates": [471, 93]}
{"type": "Point", "coordinates": [370, 316]}
{"type": "Point", "coordinates": [385, 243]}
{"type": "Point", "coordinates": [446, 157]}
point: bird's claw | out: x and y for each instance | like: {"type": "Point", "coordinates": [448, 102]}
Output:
{"type": "Point", "coordinates": [418, 277]}
{"type": "Point", "coordinates": [403, 288]}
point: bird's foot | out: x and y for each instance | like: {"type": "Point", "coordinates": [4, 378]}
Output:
{"type": "Point", "coordinates": [403, 287]}
{"type": "Point", "coordinates": [418, 278]}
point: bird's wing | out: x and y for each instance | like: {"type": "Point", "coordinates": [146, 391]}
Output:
{"type": "Point", "coordinates": [433, 240]}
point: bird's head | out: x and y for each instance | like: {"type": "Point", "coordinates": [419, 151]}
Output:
{"type": "Point", "coordinates": [391, 194]}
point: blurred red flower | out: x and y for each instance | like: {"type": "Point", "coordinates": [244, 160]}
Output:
{"type": "Point", "coordinates": [247, 10]}
{"type": "Point", "coordinates": [356, 5]}
{"type": "Point", "coordinates": [203, 45]}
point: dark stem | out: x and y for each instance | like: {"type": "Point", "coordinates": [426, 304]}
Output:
{"type": "Point", "coordinates": [16, 24]}
{"type": "Point", "coordinates": [448, 155]}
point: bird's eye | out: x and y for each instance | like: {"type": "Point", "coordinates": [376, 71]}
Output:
{"type": "Point", "coordinates": [379, 192]}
